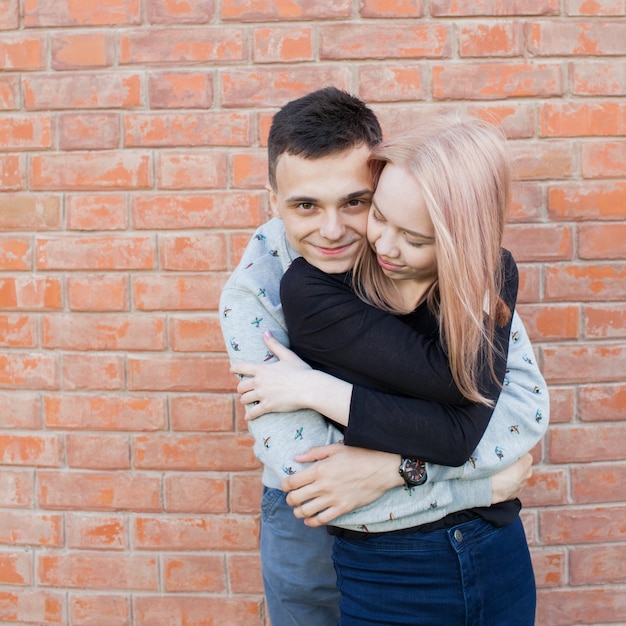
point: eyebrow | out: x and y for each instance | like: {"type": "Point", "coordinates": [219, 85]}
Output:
{"type": "Point", "coordinates": [351, 196]}
{"type": "Point", "coordinates": [406, 230]}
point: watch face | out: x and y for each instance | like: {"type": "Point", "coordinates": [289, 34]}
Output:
{"type": "Point", "coordinates": [413, 471]}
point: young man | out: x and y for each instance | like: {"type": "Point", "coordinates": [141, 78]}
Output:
{"type": "Point", "coordinates": [320, 187]}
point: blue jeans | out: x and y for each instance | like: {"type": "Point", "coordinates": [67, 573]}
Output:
{"type": "Point", "coordinates": [473, 574]}
{"type": "Point", "coordinates": [298, 574]}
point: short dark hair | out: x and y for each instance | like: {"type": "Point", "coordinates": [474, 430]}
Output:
{"type": "Point", "coordinates": [323, 122]}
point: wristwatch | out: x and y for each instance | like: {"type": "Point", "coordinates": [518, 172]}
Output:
{"type": "Point", "coordinates": [413, 471]}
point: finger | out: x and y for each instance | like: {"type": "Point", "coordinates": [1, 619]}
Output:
{"type": "Point", "coordinates": [245, 386]}
{"type": "Point", "coordinates": [298, 480]}
{"type": "Point", "coordinates": [298, 497]}
{"type": "Point", "coordinates": [243, 369]}
{"type": "Point", "coordinates": [318, 453]}
{"type": "Point", "coordinates": [275, 347]}
{"type": "Point", "coordinates": [322, 518]}
{"type": "Point", "coordinates": [310, 508]}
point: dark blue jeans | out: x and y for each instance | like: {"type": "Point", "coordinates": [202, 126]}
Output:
{"type": "Point", "coordinates": [473, 574]}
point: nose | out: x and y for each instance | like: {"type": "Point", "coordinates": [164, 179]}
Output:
{"type": "Point", "coordinates": [332, 227]}
{"type": "Point", "coordinates": [385, 245]}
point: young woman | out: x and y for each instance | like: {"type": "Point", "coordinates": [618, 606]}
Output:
{"type": "Point", "coordinates": [435, 263]}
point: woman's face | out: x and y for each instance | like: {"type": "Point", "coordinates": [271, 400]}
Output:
{"type": "Point", "coordinates": [401, 232]}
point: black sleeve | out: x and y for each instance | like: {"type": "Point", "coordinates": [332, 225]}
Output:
{"type": "Point", "coordinates": [337, 333]}
{"type": "Point", "coordinates": [441, 434]}
{"type": "Point", "coordinates": [330, 328]}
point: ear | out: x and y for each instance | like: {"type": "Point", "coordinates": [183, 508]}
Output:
{"type": "Point", "coordinates": [273, 201]}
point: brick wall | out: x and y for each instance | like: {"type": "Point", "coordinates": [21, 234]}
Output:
{"type": "Point", "coordinates": [131, 176]}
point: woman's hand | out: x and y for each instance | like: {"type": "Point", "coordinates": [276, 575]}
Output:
{"type": "Point", "coordinates": [273, 387]}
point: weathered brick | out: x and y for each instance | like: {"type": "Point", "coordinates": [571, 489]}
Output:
{"type": "Point", "coordinates": [266, 10]}
{"type": "Point", "coordinates": [195, 533]}
{"type": "Point", "coordinates": [96, 253]}
{"type": "Point", "coordinates": [96, 532]}
{"type": "Point", "coordinates": [97, 452]}
{"type": "Point", "coordinates": [112, 293]}
{"type": "Point", "coordinates": [376, 41]}
{"type": "Point", "coordinates": [90, 171]}
{"type": "Point", "coordinates": [105, 413]}
{"type": "Point", "coordinates": [71, 51]}
{"type": "Point", "coordinates": [171, 11]}
{"type": "Point", "coordinates": [12, 172]}
{"type": "Point", "coordinates": [459, 8]}
{"type": "Point", "coordinates": [592, 38]}
{"type": "Point", "coordinates": [177, 293]}
{"type": "Point", "coordinates": [196, 334]}
{"type": "Point", "coordinates": [585, 282]}
{"type": "Point", "coordinates": [498, 39]}
{"type": "Point", "coordinates": [98, 571]}
{"type": "Point", "coordinates": [539, 242]}
{"type": "Point", "coordinates": [92, 371]}
{"type": "Point", "coordinates": [587, 443]}
{"type": "Point", "coordinates": [82, 91]}
{"type": "Point", "coordinates": [223, 210]}
{"type": "Point", "coordinates": [23, 53]}
{"type": "Point", "coordinates": [180, 90]}
{"type": "Point", "coordinates": [30, 212]}
{"type": "Point", "coordinates": [582, 525]}
{"type": "Point", "coordinates": [192, 573]}
{"type": "Point", "coordinates": [24, 528]}
{"type": "Point", "coordinates": [98, 491]}
{"type": "Point", "coordinates": [283, 45]}
{"type": "Point", "coordinates": [195, 493]}
{"type": "Point", "coordinates": [197, 170]}
{"type": "Point", "coordinates": [392, 82]}
{"type": "Point", "coordinates": [598, 483]}
{"type": "Point", "coordinates": [549, 565]}
{"type": "Point", "coordinates": [597, 362]}
{"type": "Point", "coordinates": [603, 159]}
{"type": "Point", "coordinates": [597, 7]}
{"type": "Point", "coordinates": [28, 370]}
{"type": "Point", "coordinates": [203, 412]}
{"type": "Point", "coordinates": [33, 606]}
{"type": "Point", "coordinates": [186, 46]}
{"type": "Point", "coordinates": [194, 452]}
{"type": "Point", "coordinates": [491, 81]}
{"type": "Point", "coordinates": [88, 131]}
{"type": "Point", "coordinates": [28, 293]}
{"type": "Point", "coordinates": [96, 212]}
{"type": "Point", "coordinates": [89, 610]}
{"type": "Point", "coordinates": [598, 78]}
{"type": "Point", "coordinates": [269, 86]}
{"type": "Point", "coordinates": [187, 129]}
{"type": "Point", "coordinates": [584, 200]}
{"type": "Point", "coordinates": [67, 13]}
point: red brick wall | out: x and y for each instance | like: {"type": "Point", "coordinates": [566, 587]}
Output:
{"type": "Point", "coordinates": [132, 172]}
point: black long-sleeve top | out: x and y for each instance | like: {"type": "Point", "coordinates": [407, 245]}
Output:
{"type": "Point", "coordinates": [384, 355]}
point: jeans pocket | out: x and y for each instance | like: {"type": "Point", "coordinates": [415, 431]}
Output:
{"type": "Point", "coordinates": [270, 501]}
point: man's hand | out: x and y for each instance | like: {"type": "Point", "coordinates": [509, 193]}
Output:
{"type": "Point", "coordinates": [508, 483]}
{"type": "Point", "coordinates": [343, 479]}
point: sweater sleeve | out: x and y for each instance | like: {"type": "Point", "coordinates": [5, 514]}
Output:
{"type": "Point", "coordinates": [247, 310]}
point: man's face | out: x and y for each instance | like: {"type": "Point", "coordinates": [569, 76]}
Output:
{"type": "Point", "coordinates": [324, 204]}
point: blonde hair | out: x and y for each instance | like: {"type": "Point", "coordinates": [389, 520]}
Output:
{"type": "Point", "coordinates": [463, 168]}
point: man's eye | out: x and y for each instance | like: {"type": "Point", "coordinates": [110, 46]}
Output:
{"type": "Point", "coordinates": [307, 206]}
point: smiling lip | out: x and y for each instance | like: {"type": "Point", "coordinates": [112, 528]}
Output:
{"type": "Point", "coordinates": [333, 251]}
{"type": "Point", "coordinates": [388, 266]}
